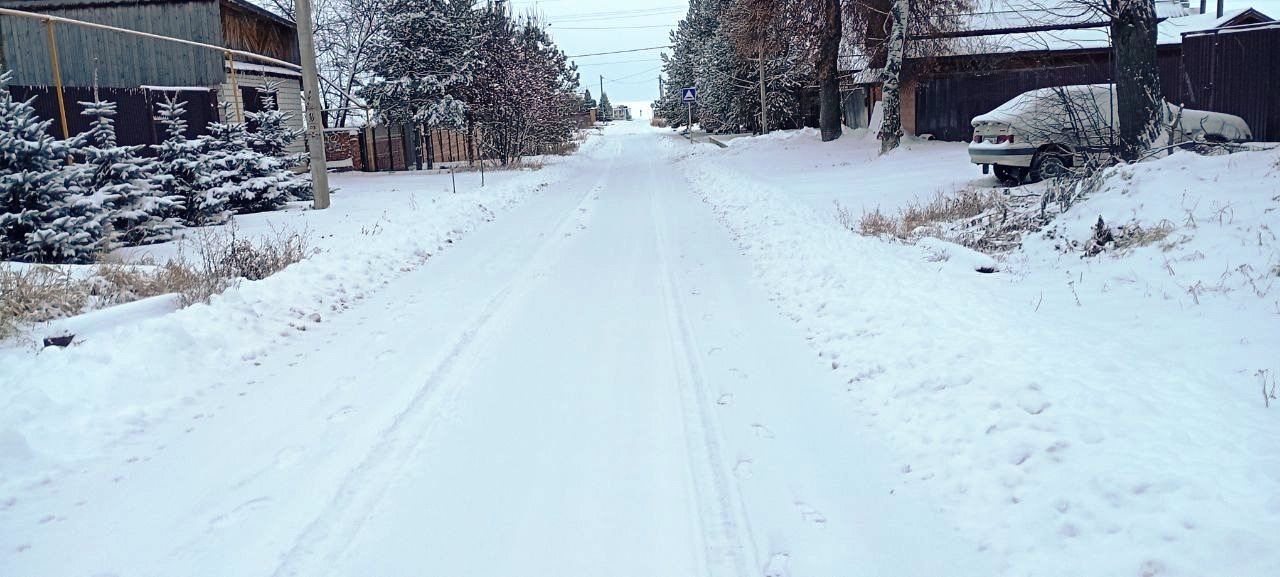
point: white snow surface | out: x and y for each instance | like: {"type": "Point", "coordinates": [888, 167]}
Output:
{"type": "Point", "coordinates": [659, 358]}
{"type": "Point", "coordinates": [1081, 416]}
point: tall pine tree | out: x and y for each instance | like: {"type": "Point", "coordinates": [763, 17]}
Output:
{"type": "Point", "coordinates": [422, 53]}
{"type": "Point", "coordinates": [606, 108]}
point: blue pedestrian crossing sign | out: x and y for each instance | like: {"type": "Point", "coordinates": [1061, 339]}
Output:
{"type": "Point", "coordinates": [689, 94]}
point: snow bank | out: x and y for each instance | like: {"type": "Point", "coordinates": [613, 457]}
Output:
{"type": "Point", "coordinates": [823, 174]}
{"type": "Point", "coordinates": [58, 405]}
{"type": "Point", "coordinates": [1078, 417]}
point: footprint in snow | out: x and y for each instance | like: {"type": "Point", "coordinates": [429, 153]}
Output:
{"type": "Point", "coordinates": [761, 431]}
{"type": "Point", "coordinates": [342, 414]}
{"type": "Point", "coordinates": [725, 399]}
{"type": "Point", "coordinates": [743, 469]}
{"type": "Point", "coordinates": [288, 457]}
{"type": "Point", "coordinates": [777, 565]}
{"type": "Point", "coordinates": [810, 514]}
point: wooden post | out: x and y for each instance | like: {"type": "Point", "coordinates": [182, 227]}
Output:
{"type": "Point", "coordinates": [235, 88]}
{"type": "Point", "coordinates": [57, 78]}
{"type": "Point", "coordinates": [431, 153]}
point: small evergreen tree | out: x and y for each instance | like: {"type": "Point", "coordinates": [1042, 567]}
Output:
{"type": "Point", "coordinates": [606, 109]}
{"type": "Point", "coordinates": [40, 219]}
{"type": "Point", "coordinates": [115, 178]}
{"type": "Point", "coordinates": [587, 101]}
{"type": "Point", "coordinates": [272, 140]}
{"type": "Point", "coordinates": [249, 180]}
{"type": "Point", "coordinates": [178, 165]}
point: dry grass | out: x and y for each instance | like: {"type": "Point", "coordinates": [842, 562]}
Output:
{"type": "Point", "coordinates": [876, 223]}
{"type": "Point", "coordinates": [36, 294]}
{"type": "Point", "coordinates": [927, 218]}
{"type": "Point", "coordinates": [220, 258]}
{"type": "Point", "coordinates": [658, 122]}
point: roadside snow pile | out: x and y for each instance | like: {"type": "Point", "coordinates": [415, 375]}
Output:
{"type": "Point", "coordinates": [1078, 416]}
{"type": "Point", "coordinates": [826, 174]}
{"type": "Point", "coordinates": [58, 405]}
{"type": "Point", "coordinates": [1210, 222]}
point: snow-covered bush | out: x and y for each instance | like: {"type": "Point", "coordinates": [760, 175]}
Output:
{"type": "Point", "coordinates": [232, 169]}
{"type": "Point", "coordinates": [116, 179]}
{"type": "Point", "coordinates": [42, 220]}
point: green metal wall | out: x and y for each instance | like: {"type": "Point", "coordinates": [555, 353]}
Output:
{"type": "Point", "coordinates": [120, 60]}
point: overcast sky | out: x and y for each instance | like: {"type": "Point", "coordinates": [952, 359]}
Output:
{"type": "Point", "coordinates": [589, 26]}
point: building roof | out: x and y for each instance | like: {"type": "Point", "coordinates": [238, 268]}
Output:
{"type": "Point", "coordinates": [261, 12]}
{"type": "Point", "coordinates": [993, 16]}
{"type": "Point", "coordinates": [37, 5]}
{"type": "Point", "coordinates": [1079, 36]}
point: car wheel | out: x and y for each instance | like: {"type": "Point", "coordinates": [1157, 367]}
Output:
{"type": "Point", "coordinates": [1009, 175]}
{"type": "Point", "coordinates": [1049, 164]}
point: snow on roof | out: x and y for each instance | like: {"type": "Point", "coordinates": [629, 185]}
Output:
{"type": "Point", "coordinates": [1169, 32]}
{"type": "Point", "coordinates": [998, 15]}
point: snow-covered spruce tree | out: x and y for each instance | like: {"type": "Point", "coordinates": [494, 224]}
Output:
{"type": "Point", "coordinates": [683, 67]}
{"type": "Point", "coordinates": [587, 101]}
{"type": "Point", "coordinates": [117, 179]}
{"type": "Point", "coordinates": [41, 220]}
{"type": "Point", "coordinates": [420, 56]}
{"type": "Point", "coordinates": [606, 108]}
{"type": "Point", "coordinates": [178, 171]}
{"type": "Point", "coordinates": [231, 168]}
{"type": "Point", "coordinates": [272, 139]}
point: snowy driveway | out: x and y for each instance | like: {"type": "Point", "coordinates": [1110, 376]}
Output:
{"type": "Point", "coordinates": [592, 385]}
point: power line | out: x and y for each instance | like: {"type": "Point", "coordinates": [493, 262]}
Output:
{"type": "Point", "coordinates": [554, 28]}
{"type": "Point", "coordinates": [663, 47]}
{"type": "Point", "coordinates": [636, 74]}
{"type": "Point", "coordinates": [650, 59]}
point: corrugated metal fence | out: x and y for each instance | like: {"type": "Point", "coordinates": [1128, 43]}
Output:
{"type": "Point", "coordinates": [136, 117]}
{"type": "Point", "coordinates": [1236, 70]}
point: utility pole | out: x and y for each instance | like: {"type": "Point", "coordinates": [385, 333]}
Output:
{"type": "Point", "coordinates": [311, 92]}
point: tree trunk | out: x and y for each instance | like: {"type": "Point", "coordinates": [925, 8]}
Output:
{"type": "Point", "coordinates": [891, 130]}
{"type": "Point", "coordinates": [1137, 76]}
{"type": "Point", "coordinates": [828, 73]}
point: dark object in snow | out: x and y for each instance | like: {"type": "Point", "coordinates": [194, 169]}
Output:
{"type": "Point", "coordinates": [62, 341]}
{"type": "Point", "coordinates": [985, 269]}
{"type": "Point", "coordinates": [1100, 240]}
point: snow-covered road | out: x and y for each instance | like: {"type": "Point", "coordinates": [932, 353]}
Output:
{"type": "Point", "coordinates": [593, 384]}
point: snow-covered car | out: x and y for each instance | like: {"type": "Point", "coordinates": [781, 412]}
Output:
{"type": "Point", "coordinates": [1041, 133]}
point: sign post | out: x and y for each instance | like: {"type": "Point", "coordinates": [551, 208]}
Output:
{"type": "Point", "coordinates": [689, 95]}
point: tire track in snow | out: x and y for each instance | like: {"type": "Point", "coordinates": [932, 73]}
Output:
{"type": "Point", "coordinates": [328, 536]}
{"type": "Point", "coordinates": [728, 545]}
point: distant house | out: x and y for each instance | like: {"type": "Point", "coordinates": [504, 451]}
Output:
{"type": "Point", "coordinates": [990, 57]}
{"type": "Point", "coordinates": [622, 112]}
{"type": "Point", "coordinates": [137, 72]}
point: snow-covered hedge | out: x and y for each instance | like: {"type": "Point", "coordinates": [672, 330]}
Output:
{"type": "Point", "coordinates": [68, 201]}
